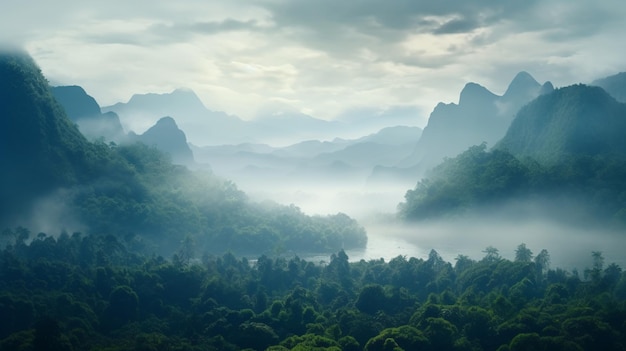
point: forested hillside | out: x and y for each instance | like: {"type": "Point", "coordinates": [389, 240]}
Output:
{"type": "Point", "coordinates": [81, 292]}
{"type": "Point", "coordinates": [54, 178]}
{"type": "Point", "coordinates": [38, 150]}
{"type": "Point", "coordinates": [564, 148]}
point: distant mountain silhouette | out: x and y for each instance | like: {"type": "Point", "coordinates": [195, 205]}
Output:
{"type": "Point", "coordinates": [167, 137]}
{"type": "Point", "coordinates": [40, 148]}
{"type": "Point", "coordinates": [76, 102]}
{"type": "Point", "coordinates": [206, 127]}
{"type": "Point", "coordinates": [398, 135]}
{"type": "Point", "coordinates": [144, 110]}
{"type": "Point", "coordinates": [339, 160]}
{"type": "Point", "coordinates": [614, 85]}
{"type": "Point", "coordinates": [572, 121]}
{"type": "Point", "coordinates": [85, 111]}
{"type": "Point", "coordinates": [480, 116]}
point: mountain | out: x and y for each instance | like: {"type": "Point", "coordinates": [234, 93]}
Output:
{"type": "Point", "coordinates": [574, 121]}
{"type": "Point", "coordinates": [312, 160]}
{"type": "Point", "coordinates": [398, 136]}
{"type": "Point", "coordinates": [480, 116]}
{"type": "Point", "coordinates": [614, 85]}
{"type": "Point", "coordinates": [167, 137]}
{"type": "Point", "coordinates": [202, 126]}
{"type": "Point", "coordinates": [563, 158]}
{"type": "Point", "coordinates": [164, 135]}
{"type": "Point", "coordinates": [289, 127]}
{"type": "Point", "coordinates": [205, 127]}
{"type": "Point", "coordinates": [389, 136]}
{"type": "Point", "coordinates": [387, 147]}
{"type": "Point", "coordinates": [76, 102]}
{"type": "Point", "coordinates": [53, 179]}
{"type": "Point", "coordinates": [85, 112]}
{"type": "Point", "coordinates": [40, 148]}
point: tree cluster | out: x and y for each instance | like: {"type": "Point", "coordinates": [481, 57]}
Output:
{"type": "Point", "coordinates": [478, 178]}
{"type": "Point", "coordinates": [76, 292]}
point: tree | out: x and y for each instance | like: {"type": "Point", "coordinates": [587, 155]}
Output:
{"type": "Point", "coordinates": [371, 299]}
{"type": "Point", "coordinates": [542, 261]}
{"type": "Point", "coordinates": [463, 262]}
{"type": "Point", "coordinates": [523, 254]}
{"type": "Point", "coordinates": [595, 273]}
{"type": "Point", "coordinates": [48, 337]}
{"type": "Point", "coordinates": [598, 260]}
{"type": "Point", "coordinates": [123, 307]}
{"type": "Point", "coordinates": [187, 250]}
{"type": "Point", "coordinates": [440, 332]}
{"type": "Point", "coordinates": [492, 254]}
{"type": "Point", "coordinates": [405, 337]}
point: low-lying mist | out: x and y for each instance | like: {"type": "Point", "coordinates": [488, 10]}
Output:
{"type": "Point", "coordinates": [537, 224]}
{"type": "Point", "coordinates": [50, 214]}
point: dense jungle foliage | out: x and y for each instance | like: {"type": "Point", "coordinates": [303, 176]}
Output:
{"type": "Point", "coordinates": [595, 186]}
{"type": "Point", "coordinates": [51, 174]}
{"type": "Point", "coordinates": [76, 292]}
{"type": "Point", "coordinates": [145, 198]}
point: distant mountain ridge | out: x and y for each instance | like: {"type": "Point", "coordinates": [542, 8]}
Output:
{"type": "Point", "coordinates": [77, 103]}
{"type": "Point", "coordinates": [565, 153]}
{"type": "Point", "coordinates": [480, 116]}
{"type": "Point", "coordinates": [167, 137]}
{"type": "Point", "coordinates": [573, 121]}
{"type": "Point", "coordinates": [207, 127]}
{"type": "Point", "coordinates": [614, 85]}
{"type": "Point", "coordinates": [337, 161]}
{"type": "Point", "coordinates": [84, 110]}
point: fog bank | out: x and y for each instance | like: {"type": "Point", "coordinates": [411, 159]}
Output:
{"type": "Point", "coordinates": [569, 245]}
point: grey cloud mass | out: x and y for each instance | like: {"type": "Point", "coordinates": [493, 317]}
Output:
{"type": "Point", "coordinates": [324, 58]}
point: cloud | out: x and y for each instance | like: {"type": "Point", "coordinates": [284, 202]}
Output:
{"type": "Point", "coordinates": [457, 25]}
{"type": "Point", "coordinates": [325, 57]}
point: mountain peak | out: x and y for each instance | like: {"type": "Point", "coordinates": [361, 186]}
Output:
{"type": "Point", "coordinates": [474, 93]}
{"type": "Point", "coordinates": [575, 120]}
{"type": "Point", "coordinates": [546, 88]}
{"type": "Point", "coordinates": [614, 85]}
{"type": "Point", "coordinates": [522, 84]}
{"type": "Point", "coordinates": [178, 97]}
{"type": "Point", "coordinates": [76, 102]}
{"type": "Point", "coordinates": [166, 122]}
{"type": "Point", "coordinates": [167, 137]}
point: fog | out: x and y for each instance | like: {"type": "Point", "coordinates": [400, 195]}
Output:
{"type": "Point", "coordinates": [50, 214]}
{"type": "Point", "coordinates": [374, 206]}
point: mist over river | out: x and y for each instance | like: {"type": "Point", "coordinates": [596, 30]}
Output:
{"type": "Point", "coordinates": [569, 246]}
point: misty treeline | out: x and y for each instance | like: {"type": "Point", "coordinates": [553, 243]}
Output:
{"type": "Point", "coordinates": [77, 292]}
{"type": "Point", "coordinates": [156, 205]}
{"type": "Point", "coordinates": [594, 187]}
{"type": "Point", "coordinates": [564, 151]}
{"type": "Point", "coordinates": [53, 177]}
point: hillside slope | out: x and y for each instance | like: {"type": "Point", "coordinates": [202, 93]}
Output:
{"type": "Point", "coordinates": [564, 152]}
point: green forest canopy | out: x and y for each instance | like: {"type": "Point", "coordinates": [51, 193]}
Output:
{"type": "Point", "coordinates": [78, 292]}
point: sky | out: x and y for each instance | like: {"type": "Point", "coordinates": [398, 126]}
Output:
{"type": "Point", "coordinates": [326, 58]}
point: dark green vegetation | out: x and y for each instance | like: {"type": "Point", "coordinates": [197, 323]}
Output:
{"type": "Point", "coordinates": [564, 147]}
{"type": "Point", "coordinates": [94, 293]}
{"type": "Point", "coordinates": [133, 191]}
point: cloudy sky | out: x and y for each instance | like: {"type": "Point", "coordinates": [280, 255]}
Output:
{"type": "Point", "coordinates": [326, 58]}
